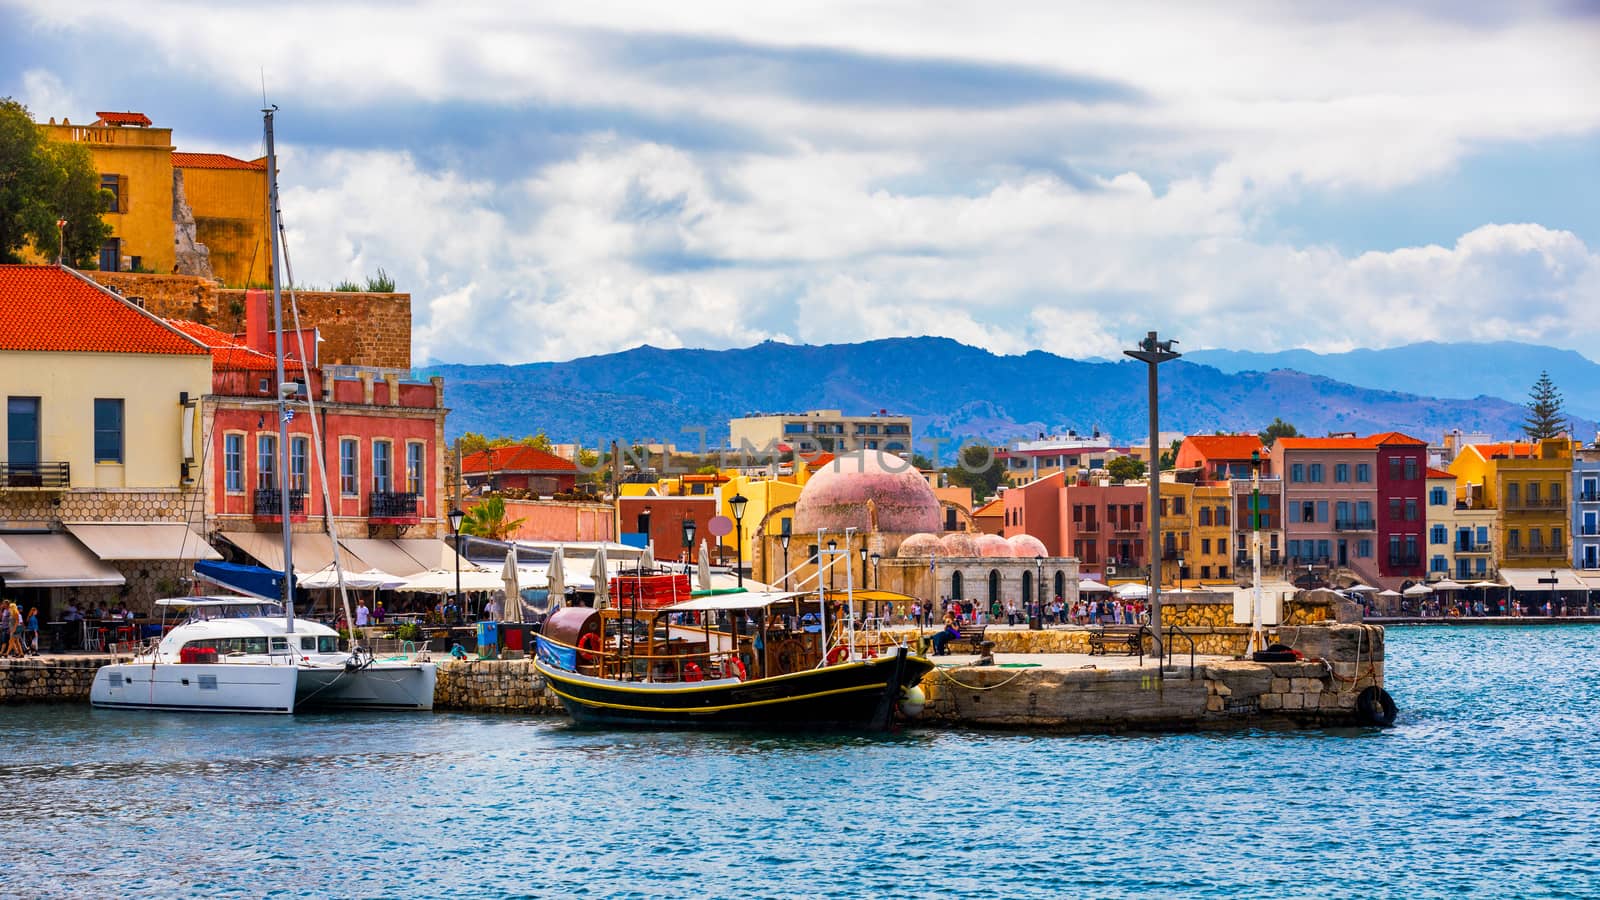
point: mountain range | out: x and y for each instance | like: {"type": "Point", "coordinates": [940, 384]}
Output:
{"type": "Point", "coordinates": [955, 391]}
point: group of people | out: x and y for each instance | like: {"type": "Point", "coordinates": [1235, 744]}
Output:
{"type": "Point", "coordinates": [102, 613]}
{"type": "Point", "coordinates": [1109, 611]}
{"type": "Point", "coordinates": [19, 635]}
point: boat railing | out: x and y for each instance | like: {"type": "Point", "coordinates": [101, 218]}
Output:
{"type": "Point", "coordinates": [610, 661]}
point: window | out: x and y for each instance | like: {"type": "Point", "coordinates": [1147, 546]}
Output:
{"type": "Point", "coordinates": [107, 431]}
{"type": "Point", "coordinates": [1439, 564]}
{"type": "Point", "coordinates": [1322, 510]}
{"type": "Point", "coordinates": [1341, 471]}
{"type": "Point", "coordinates": [955, 586]}
{"type": "Point", "coordinates": [1513, 494]}
{"type": "Point", "coordinates": [1411, 468]}
{"type": "Point", "coordinates": [1411, 509]}
{"type": "Point", "coordinates": [1394, 468]}
{"type": "Point", "coordinates": [1364, 511]}
{"type": "Point", "coordinates": [1205, 573]}
{"type": "Point", "coordinates": [1205, 545]}
{"type": "Point", "coordinates": [1394, 509]}
{"type": "Point", "coordinates": [1294, 549]}
{"type": "Point", "coordinates": [348, 485]}
{"type": "Point", "coordinates": [1555, 540]}
{"type": "Point", "coordinates": [1061, 585]}
{"type": "Point", "coordinates": [1308, 511]}
{"type": "Point", "coordinates": [1439, 534]}
{"type": "Point", "coordinates": [113, 185]}
{"type": "Point", "coordinates": [233, 463]}
{"type": "Point", "coordinates": [1533, 493]}
{"type": "Point", "coordinates": [1297, 472]}
{"type": "Point", "coordinates": [1324, 550]}
{"type": "Point", "coordinates": [1364, 548]}
{"type": "Point", "coordinates": [1394, 548]}
{"type": "Point", "coordinates": [266, 462]}
{"type": "Point", "coordinates": [1555, 493]}
{"type": "Point", "coordinates": [1438, 497]}
{"type": "Point", "coordinates": [414, 478]}
{"type": "Point", "coordinates": [111, 255]}
{"type": "Point", "coordinates": [1513, 539]}
{"type": "Point", "coordinates": [1363, 472]}
{"type": "Point", "coordinates": [1341, 513]}
{"type": "Point", "coordinates": [382, 467]}
{"type": "Point", "coordinates": [1222, 545]}
{"type": "Point", "coordinates": [1315, 473]}
{"type": "Point", "coordinates": [22, 431]}
{"type": "Point", "coordinates": [1411, 549]}
{"type": "Point", "coordinates": [1591, 489]}
{"type": "Point", "coordinates": [1222, 515]}
{"type": "Point", "coordinates": [299, 457]}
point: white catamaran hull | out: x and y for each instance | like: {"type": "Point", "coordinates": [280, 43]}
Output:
{"type": "Point", "coordinates": [209, 687]}
{"type": "Point", "coordinates": [378, 686]}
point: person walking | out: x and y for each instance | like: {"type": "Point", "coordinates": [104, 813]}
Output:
{"type": "Point", "coordinates": [31, 631]}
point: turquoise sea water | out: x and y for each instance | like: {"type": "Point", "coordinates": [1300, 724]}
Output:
{"type": "Point", "coordinates": [1488, 786]}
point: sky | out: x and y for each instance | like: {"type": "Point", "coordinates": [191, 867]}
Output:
{"type": "Point", "coordinates": [552, 181]}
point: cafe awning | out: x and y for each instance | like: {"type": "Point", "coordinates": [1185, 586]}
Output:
{"type": "Point", "coordinates": [143, 540]}
{"type": "Point", "coordinates": [1528, 579]}
{"type": "Point", "coordinates": [404, 557]}
{"type": "Point", "coordinates": [9, 560]}
{"type": "Point", "coordinates": [312, 552]}
{"type": "Point", "coordinates": [746, 600]}
{"type": "Point", "coordinates": [57, 560]}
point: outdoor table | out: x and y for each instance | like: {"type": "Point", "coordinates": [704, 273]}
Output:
{"type": "Point", "coordinates": [58, 636]}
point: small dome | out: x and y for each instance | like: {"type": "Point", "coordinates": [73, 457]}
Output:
{"type": "Point", "coordinates": [920, 544]}
{"type": "Point", "coordinates": [1027, 546]}
{"type": "Point", "coordinates": [958, 543]}
{"type": "Point", "coordinates": [836, 496]}
{"type": "Point", "coordinates": [993, 545]}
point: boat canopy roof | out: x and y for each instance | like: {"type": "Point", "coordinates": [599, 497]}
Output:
{"type": "Point", "coordinates": [745, 600]}
{"type": "Point", "coordinates": [214, 601]}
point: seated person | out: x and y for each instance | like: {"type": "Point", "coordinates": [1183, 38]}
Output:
{"type": "Point", "coordinates": [945, 635]}
{"type": "Point", "coordinates": [73, 614]}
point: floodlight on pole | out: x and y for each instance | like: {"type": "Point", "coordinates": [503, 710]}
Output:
{"type": "Point", "coordinates": [1153, 352]}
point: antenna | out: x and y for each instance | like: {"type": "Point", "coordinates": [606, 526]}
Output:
{"type": "Point", "coordinates": [263, 71]}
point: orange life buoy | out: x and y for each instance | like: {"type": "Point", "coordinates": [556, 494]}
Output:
{"type": "Point", "coordinates": [837, 653]}
{"type": "Point", "coordinates": [691, 672]}
{"type": "Point", "coordinates": [589, 650]}
{"type": "Point", "coordinates": [737, 666]}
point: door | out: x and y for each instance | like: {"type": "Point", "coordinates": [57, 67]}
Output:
{"type": "Point", "coordinates": [22, 434]}
{"type": "Point", "coordinates": [1344, 552]}
{"type": "Point", "coordinates": [111, 255]}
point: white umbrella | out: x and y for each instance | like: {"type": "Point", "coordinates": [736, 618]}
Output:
{"type": "Point", "coordinates": [443, 581]}
{"type": "Point", "coordinates": [647, 560]}
{"type": "Point", "coordinates": [1486, 584]}
{"type": "Point", "coordinates": [557, 577]}
{"type": "Point", "coordinates": [1390, 593]}
{"type": "Point", "coordinates": [1361, 589]}
{"type": "Point", "coordinates": [1132, 591]}
{"type": "Point", "coordinates": [703, 576]}
{"type": "Point", "coordinates": [1417, 590]}
{"type": "Point", "coordinates": [513, 585]}
{"type": "Point", "coordinates": [368, 580]}
{"type": "Point", "coordinates": [602, 579]}
{"type": "Point", "coordinates": [1448, 585]}
{"type": "Point", "coordinates": [1092, 587]}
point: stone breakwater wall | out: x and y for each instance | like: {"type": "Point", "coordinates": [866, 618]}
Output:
{"type": "Point", "coordinates": [1340, 662]}
{"type": "Point", "coordinates": [506, 685]}
{"type": "Point", "coordinates": [47, 679]}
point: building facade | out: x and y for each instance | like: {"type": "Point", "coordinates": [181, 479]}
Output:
{"type": "Point", "coordinates": [822, 431]}
{"type": "Point", "coordinates": [1585, 525]}
{"type": "Point", "coordinates": [1104, 528]}
{"type": "Point", "coordinates": [1072, 455]}
{"type": "Point", "coordinates": [519, 468]}
{"type": "Point", "coordinates": [1527, 484]}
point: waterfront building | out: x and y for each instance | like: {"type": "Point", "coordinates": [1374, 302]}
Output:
{"type": "Point", "coordinates": [519, 468]}
{"type": "Point", "coordinates": [1459, 545]}
{"type": "Point", "coordinates": [1266, 501]}
{"type": "Point", "coordinates": [822, 430]}
{"type": "Point", "coordinates": [1221, 457]}
{"type": "Point", "coordinates": [1178, 549]}
{"type": "Point", "coordinates": [1526, 484]}
{"type": "Point", "coordinates": [1035, 508]}
{"type": "Point", "coordinates": [99, 445]}
{"type": "Point", "coordinates": [1585, 525]}
{"type": "Point", "coordinates": [172, 211]}
{"type": "Point", "coordinates": [1104, 528]}
{"type": "Point", "coordinates": [1070, 455]}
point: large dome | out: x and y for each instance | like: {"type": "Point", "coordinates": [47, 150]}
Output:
{"type": "Point", "coordinates": [958, 543]}
{"type": "Point", "coordinates": [921, 544]}
{"type": "Point", "coordinates": [1027, 546]}
{"type": "Point", "coordinates": [993, 545]}
{"type": "Point", "coordinates": [836, 496]}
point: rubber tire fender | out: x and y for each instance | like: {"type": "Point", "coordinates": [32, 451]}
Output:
{"type": "Point", "coordinates": [1376, 707]}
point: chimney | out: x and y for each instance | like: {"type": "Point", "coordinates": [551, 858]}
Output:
{"type": "Point", "coordinates": [257, 321]}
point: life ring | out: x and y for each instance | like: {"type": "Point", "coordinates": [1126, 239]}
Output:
{"type": "Point", "coordinates": [736, 667]}
{"type": "Point", "coordinates": [589, 650]}
{"type": "Point", "coordinates": [691, 672]}
{"type": "Point", "coordinates": [838, 652]}
{"type": "Point", "coordinates": [1376, 707]}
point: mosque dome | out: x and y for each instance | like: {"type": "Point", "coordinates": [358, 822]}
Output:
{"type": "Point", "coordinates": [958, 543]}
{"type": "Point", "coordinates": [1026, 546]}
{"type": "Point", "coordinates": [921, 544]}
{"type": "Point", "coordinates": [993, 545]}
{"type": "Point", "coordinates": [835, 497]}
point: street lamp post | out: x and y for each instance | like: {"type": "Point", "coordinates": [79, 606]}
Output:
{"type": "Point", "coordinates": [456, 515]}
{"type": "Point", "coordinates": [877, 580]}
{"type": "Point", "coordinates": [738, 503]}
{"type": "Point", "coordinates": [1038, 587]}
{"type": "Point", "coordinates": [863, 565]}
{"type": "Point", "coordinates": [833, 546]}
{"type": "Point", "coordinates": [688, 539]}
{"type": "Point", "coordinates": [784, 540]}
{"type": "Point", "coordinates": [1152, 353]}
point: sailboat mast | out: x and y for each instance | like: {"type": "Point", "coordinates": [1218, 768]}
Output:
{"type": "Point", "coordinates": [283, 397]}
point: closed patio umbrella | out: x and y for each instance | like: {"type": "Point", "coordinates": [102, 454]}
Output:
{"type": "Point", "coordinates": [557, 577]}
{"type": "Point", "coordinates": [602, 579]}
{"type": "Point", "coordinates": [513, 584]}
{"type": "Point", "coordinates": [703, 568]}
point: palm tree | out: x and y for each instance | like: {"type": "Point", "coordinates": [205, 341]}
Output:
{"type": "Point", "coordinates": [487, 519]}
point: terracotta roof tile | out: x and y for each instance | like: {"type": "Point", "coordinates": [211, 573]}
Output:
{"type": "Point", "coordinates": [228, 354]}
{"type": "Point", "coordinates": [52, 309]}
{"type": "Point", "coordinates": [1370, 442]}
{"type": "Point", "coordinates": [124, 118]}
{"type": "Point", "coordinates": [1440, 473]}
{"type": "Point", "coordinates": [214, 161]}
{"type": "Point", "coordinates": [1510, 449]}
{"type": "Point", "coordinates": [516, 458]}
{"type": "Point", "coordinates": [1225, 446]}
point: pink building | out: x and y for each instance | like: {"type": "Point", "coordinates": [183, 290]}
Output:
{"type": "Point", "coordinates": [1105, 528]}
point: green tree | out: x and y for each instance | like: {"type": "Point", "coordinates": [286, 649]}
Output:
{"type": "Point", "coordinates": [42, 182]}
{"type": "Point", "coordinates": [1546, 419]}
{"type": "Point", "coordinates": [1125, 468]}
{"type": "Point", "coordinates": [979, 472]}
{"type": "Point", "coordinates": [921, 462]}
{"type": "Point", "coordinates": [1279, 428]}
{"type": "Point", "coordinates": [487, 519]}
{"type": "Point", "coordinates": [1169, 456]}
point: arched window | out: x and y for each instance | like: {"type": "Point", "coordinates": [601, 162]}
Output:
{"type": "Point", "coordinates": [1027, 587]}
{"type": "Point", "coordinates": [955, 586]}
{"type": "Point", "coordinates": [994, 585]}
{"type": "Point", "coordinates": [1061, 585]}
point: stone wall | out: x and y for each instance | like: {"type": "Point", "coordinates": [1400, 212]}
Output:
{"type": "Point", "coordinates": [357, 328]}
{"type": "Point", "coordinates": [47, 679]}
{"type": "Point", "coordinates": [492, 684]}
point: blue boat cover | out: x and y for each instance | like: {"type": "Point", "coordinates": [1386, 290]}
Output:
{"type": "Point", "coordinates": [555, 655]}
{"type": "Point", "coordinates": [256, 581]}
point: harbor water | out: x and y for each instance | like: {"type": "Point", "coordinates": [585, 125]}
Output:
{"type": "Point", "coordinates": [1489, 785]}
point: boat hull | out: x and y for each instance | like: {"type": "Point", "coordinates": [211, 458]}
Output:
{"type": "Point", "coordinates": [378, 686]}
{"type": "Point", "coordinates": [856, 695]}
{"type": "Point", "coordinates": [200, 687]}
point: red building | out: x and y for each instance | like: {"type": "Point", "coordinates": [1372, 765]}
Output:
{"type": "Point", "coordinates": [382, 443]}
{"type": "Point", "coordinates": [1035, 508]}
{"type": "Point", "coordinates": [1402, 470]}
{"type": "Point", "coordinates": [1222, 457]}
{"type": "Point", "coordinates": [1105, 528]}
{"type": "Point", "coordinates": [519, 467]}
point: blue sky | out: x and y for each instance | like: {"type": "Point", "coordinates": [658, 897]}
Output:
{"type": "Point", "coordinates": [552, 183]}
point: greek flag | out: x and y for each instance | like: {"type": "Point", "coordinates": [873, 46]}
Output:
{"type": "Point", "coordinates": [288, 415]}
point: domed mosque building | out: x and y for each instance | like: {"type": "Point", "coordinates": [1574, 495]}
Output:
{"type": "Point", "coordinates": [896, 535]}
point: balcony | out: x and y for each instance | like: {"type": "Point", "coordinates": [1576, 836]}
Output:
{"type": "Point", "coordinates": [1474, 547]}
{"type": "Point", "coordinates": [1172, 553]}
{"type": "Point", "coordinates": [1520, 552]}
{"type": "Point", "coordinates": [1405, 561]}
{"type": "Point", "coordinates": [1086, 527]}
{"type": "Point", "coordinates": [269, 504]}
{"type": "Point", "coordinates": [1310, 561]}
{"type": "Point", "coordinates": [1272, 558]}
{"type": "Point", "coordinates": [1589, 497]}
{"type": "Point", "coordinates": [1589, 531]}
{"type": "Point", "coordinates": [48, 476]}
{"type": "Point", "coordinates": [1128, 527]}
{"type": "Point", "coordinates": [1535, 504]}
{"type": "Point", "coordinates": [1354, 525]}
{"type": "Point", "coordinates": [393, 508]}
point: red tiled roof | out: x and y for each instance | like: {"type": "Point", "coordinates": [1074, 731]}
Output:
{"type": "Point", "coordinates": [1439, 473]}
{"type": "Point", "coordinates": [1225, 446]}
{"type": "Point", "coordinates": [994, 507]}
{"type": "Point", "coordinates": [516, 458]}
{"type": "Point", "coordinates": [227, 354]}
{"type": "Point", "coordinates": [1510, 449]}
{"type": "Point", "coordinates": [214, 161]}
{"type": "Point", "coordinates": [52, 309]}
{"type": "Point", "coordinates": [124, 118]}
{"type": "Point", "coordinates": [1370, 442]}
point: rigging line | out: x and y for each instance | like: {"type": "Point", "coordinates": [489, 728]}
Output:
{"type": "Point", "coordinates": [316, 435]}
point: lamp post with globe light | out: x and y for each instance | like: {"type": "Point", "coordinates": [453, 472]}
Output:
{"type": "Point", "coordinates": [737, 503]}
{"type": "Point", "coordinates": [456, 515]}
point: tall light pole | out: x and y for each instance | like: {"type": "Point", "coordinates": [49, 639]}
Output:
{"type": "Point", "coordinates": [833, 547]}
{"type": "Point", "coordinates": [456, 515]}
{"type": "Point", "coordinates": [1152, 353]}
{"type": "Point", "coordinates": [863, 564]}
{"type": "Point", "coordinates": [738, 503]}
{"type": "Point", "coordinates": [877, 581]}
{"type": "Point", "coordinates": [688, 539]}
{"type": "Point", "coordinates": [784, 540]}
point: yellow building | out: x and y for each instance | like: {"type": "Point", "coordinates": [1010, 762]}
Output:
{"type": "Point", "coordinates": [1195, 534]}
{"type": "Point", "coordinates": [1459, 534]}
{"type": "Point", "coordinates": [1526, 485]}
{"type": "Point", "coordinates": [172, 212]}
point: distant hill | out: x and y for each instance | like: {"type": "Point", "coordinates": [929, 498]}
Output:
{"type": "Point", "coordinates": [950, 389]}
{"type": "Point", "coordinates": [1504, 369]}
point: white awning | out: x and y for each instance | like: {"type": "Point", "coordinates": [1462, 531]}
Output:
{"type": "Point", "coordinates": [405, 556]}
{"type": "Point", "coordinates": [143, 540]}
{"type": "Point", "coordinates": [746, 600]}
{"type": "Point", "coordinates": [312, 552]}
{"type": "Point", "coordinates": [58, 560]}
{"type": "Point", "coordinates": [440, 581]}
{"type": "Point", "coordinates": [9, 560]}
{"type": "Point", "coordinates": [1528, 579]}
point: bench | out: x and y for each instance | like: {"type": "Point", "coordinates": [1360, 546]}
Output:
{"type": "Point", "coordinates": [971, 635]}
{"type": "Point", "coordinates": [1129, 638]}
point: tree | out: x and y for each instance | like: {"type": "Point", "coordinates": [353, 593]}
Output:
{"type": "Point", "coordinates": [1125, 468]}
{"type": "Point", "coordinates": [921, 462]}
{"type": "Point", "coordinates": [487, 519]}
{"type": "Point", "coordinates": [1278, 429]}
{"type": "Point", "coordinates": [1545, 418]}
{"type": "Point", "coordinates": [1169, 456]}
{"type": "Point", "coordinates": [42, 182]}
{"type": "Point", "coordinates": [979, 472]}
